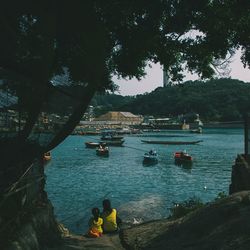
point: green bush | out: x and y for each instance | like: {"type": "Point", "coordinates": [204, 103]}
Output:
{"type": "Point", "coordinates": [181, 209]}
{"type": "Point", "coordinates": [220, 195]}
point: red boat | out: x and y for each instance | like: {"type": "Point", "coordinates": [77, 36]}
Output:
{"type": "Point", "coordinates": [182, 157]}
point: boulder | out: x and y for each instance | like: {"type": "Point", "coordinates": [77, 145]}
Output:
{"type": "Point", "coordinates": [224, 224]}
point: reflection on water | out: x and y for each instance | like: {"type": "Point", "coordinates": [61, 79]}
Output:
{"type": "Point", "coordinates": [184, 164]}
{"type": "Point", "coordinates": [143, 209]}
{"type": "Point", "coordinates": [77, 179]}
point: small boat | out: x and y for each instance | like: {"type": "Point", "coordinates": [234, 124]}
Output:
{"type": "Point", "coordinates": [172, 142]}
{"type": "Point", "coordinates": [114, 143]}
{"type": "Point", "coordinates": [102, 151]}
{"type": "Point", "coordinates": [182, 157]}
{"type": "Point", "coordinates": [47, 156]}
{"type": "Point", "coordinates": [94, 144]}
{"type": "Point", "coordinates": [110, 136]}
{"type": "Point", "coordinates": [197, 131]}
{"type": "Point", "coordinates": [151, 157]}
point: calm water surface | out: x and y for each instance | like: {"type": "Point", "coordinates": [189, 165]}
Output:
{"type": "Point", "coordinates": [78, 179]}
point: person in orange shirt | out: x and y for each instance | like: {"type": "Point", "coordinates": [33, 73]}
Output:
{"type": "Point", "coordinates": [95, 224]}
{"type": "Point", "coordinates": [110, 218]}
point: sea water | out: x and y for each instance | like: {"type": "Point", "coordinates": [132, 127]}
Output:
{"type": "Point", "coordinates": [78, 179]}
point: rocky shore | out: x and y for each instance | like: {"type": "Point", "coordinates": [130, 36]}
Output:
{"type": "Point", "coordinates": [224, 224]}
{"type": "Point", "coordinates": [220, 225]}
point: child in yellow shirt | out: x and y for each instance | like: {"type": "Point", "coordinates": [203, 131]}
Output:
{"type": "Point", "coordinates": [95, 224]}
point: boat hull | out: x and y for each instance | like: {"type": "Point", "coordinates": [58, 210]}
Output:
{"type": "Point", "coordinates": [150, 159]}
{"type": "Point", "coordinates": [111, 138]}
{"type": "Point", "coordinates": [102, 152]}
{"type": "Point", "coordinates": [93, 144]}
{"type": "Point", "coordinates": [172, 142]}
{"type": "Point", "coordinates": [183, 159]}
{"type": "Point", "coordinates": [117, 143]}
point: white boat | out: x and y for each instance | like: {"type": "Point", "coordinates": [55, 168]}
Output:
{"type": "Point", "coordinates": [150, 157]}
{"type": "Point", "coordinates": [197, 131]}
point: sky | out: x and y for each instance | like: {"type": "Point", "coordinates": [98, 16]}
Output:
{"type": "Point", "coordinates": [154, 78]}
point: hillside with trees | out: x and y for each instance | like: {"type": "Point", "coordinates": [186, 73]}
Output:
{"type": "Point", "coordinates": [215, 100]}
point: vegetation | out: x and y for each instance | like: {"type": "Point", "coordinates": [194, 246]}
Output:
{"type": "Point", "coordinates": [109, 102]}
{"type": "Point", "coordinates": [214, 100]}
{"type": "Point", "coordinates": [220, 195]}
{"type": "Point", "coordinates": [179, 210]}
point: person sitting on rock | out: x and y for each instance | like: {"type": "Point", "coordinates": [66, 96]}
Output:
{"type": "Point", "coordinates": [95, 224]}
{"type": "Point", "coordinates": [110, 218]}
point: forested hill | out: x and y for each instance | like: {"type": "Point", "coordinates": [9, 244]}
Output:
{"type": "Point", "coordinates": [218, 100]}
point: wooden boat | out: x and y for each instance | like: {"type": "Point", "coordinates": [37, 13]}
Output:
{"type": "Point", "coordinates": [150, 158]}
{"type": "Point", "coordinates": [182, 158]}
{"type": "Point", "coordinates": [102, 151]}
{"type": "Point", "coordinates": [172, 142]}
{"type": "Point", "coordinates": [117, 143]}
{"type": "Point", "coordinates": [47, 157]}
{"type": "Point", "coordinates": [94, 144]}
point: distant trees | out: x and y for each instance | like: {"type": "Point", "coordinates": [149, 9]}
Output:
{"type": "Point", "coordinates": [214, 100]}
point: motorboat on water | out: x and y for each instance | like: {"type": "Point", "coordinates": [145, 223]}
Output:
{"type": "Point", "coordinates": [182, 157]}
{"type": "Point", "coordinates": [118, 143]}
{"type": "Point", "coordinates": [102, 151]}
{"type": "Point", "coordinates": [110, 136]}
{"type": "Point", "coordinates": [150, 157]}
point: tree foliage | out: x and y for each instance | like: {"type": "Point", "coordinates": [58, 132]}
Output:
{"type": "Point", "coordinates": [95, 39]}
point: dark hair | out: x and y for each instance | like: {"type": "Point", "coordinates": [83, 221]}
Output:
{"type": "Point", "coordinates": [96, 212]}
{"type": "Point", "coordinates": [106, 205]}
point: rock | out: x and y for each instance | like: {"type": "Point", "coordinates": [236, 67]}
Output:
{"type": "Point", "coordinates": [240, 175]}
{"type": "Point", "coordinates": [224, 224]}
{"type": "Point", "coordinates": [72, 242]}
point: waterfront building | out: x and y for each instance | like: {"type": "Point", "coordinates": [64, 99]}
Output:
{"type": "Point", "coordinates": [111, 120]}
{"type": "Point", "coordinates": [125, 118]}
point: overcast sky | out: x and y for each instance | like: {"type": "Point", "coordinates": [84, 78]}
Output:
{"type": "Point", "coordinates": [154, 78]}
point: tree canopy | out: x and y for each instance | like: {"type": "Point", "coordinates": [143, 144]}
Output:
{"type": "Point", "coordinates": [92, 40]}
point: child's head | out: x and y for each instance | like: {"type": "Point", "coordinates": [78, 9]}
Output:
{"type": "Point", "coordinates": [96, 212]}
{"type": "Point", "coordinates": [106, 205]}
